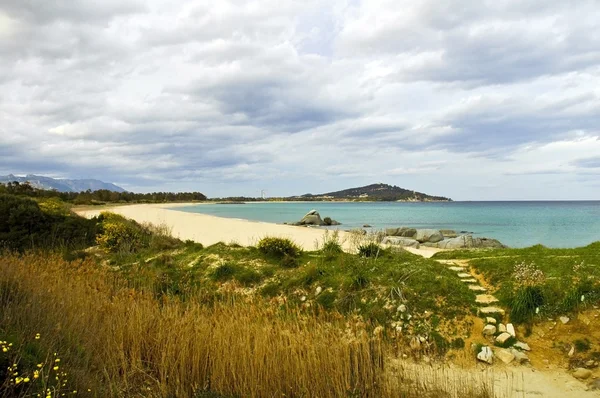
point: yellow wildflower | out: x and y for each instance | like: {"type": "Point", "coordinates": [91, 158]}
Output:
{"type": "Point", "coordinates": [37, 336]}
{"type": "Point", "coordinates": [57, 360]}
{"type": "Point", "coordinates": [4, 349]}
{"type": "Point", "coordinates": [39, 365]}
{"type": "Point", "coordinates": [55, 368]}
{"type": "Point", "coordinates": [26, 380]}
{"type": "Point", "coordinates": [36, 374]}
{"type": "Point", "coordinates": [18, 380]}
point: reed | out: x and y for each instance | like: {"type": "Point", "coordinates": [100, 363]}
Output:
{"type": "Point", "coordinates": [118, 341]}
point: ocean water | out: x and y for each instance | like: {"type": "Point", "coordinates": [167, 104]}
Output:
{"type": "Point", "coordinates": [516, 224]}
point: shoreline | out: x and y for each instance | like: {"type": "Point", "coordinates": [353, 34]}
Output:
{"type": "Point", "coordinates": [208, 229]}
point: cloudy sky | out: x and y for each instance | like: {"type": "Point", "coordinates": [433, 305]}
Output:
{"type": "Point", "coordinates": [472, 100]}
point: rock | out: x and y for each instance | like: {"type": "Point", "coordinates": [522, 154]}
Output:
{"type": "Point", "coordinates": [448, 233]}
{"type": "Point", "coordinates": [489, 330]}
{"type": "Point", "coordinates": [490, 311]}
{"type": "Point", "coordinates": [582, 373]}
{"type": "Point", "coordinates": [503, 338]}
{"type": "Point", "coordinates": [595, 385]}
{"type": "Point", "coordinates": [520, 356]}
{"type": "Point", "coordinates": [591, 364]}
{"type": "Point", "coordinates": [402, 231]}
{"type": "Point", "coordinates": [318, 290]}
{"type": "Point", "coordinates": [522, 346]}
{"type": "Point", "coordinates": [469, 242]}
{"type": "Point", "coordinates": [502, 328]}
{"type": "Point", "coordinates": [505, 356]}
{"type": "Point", "coordinates": [401, 308]}
{"type": "Point", "coordinates": [429, 235]}
{"type": "Point", "coordinates": [400, 241]}
{"type": "Point", "coordinates": [511, 330]}
{"type": "Point", "coordinates": [367, 226]}
{"type": "Point", "coordinates": [486, 355]}
{"type": "Point", "coordinates": [490, 320]}
{"type": "Point", "coordinates": [571, 351]}
{"type": "Point", "coordinates": [564, 319]}
{"type": "Point", "coordinates": [311, 218]}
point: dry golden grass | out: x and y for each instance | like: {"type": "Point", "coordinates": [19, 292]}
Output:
{"type": "Point", "coordinates": [122, 342]}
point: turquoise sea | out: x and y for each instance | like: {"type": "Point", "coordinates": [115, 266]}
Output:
{"type": "Point", "coordinates": [516, 224]}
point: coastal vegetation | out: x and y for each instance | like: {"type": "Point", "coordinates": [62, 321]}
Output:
{"type": "Point", "coordinates": [538, 282]}
{"type": "Point", "coordinates": [130, 310]}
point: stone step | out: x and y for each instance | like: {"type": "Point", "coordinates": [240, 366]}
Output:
{"type": "Point", "coordinates": [478, 288]}
{"type": "Point", "coordinates": [464, 275]}
{"type": "Point", "coordinates": [471, 280]}
{"type": "Point", "coordinates": [485, 299]}
{"type": "Point", "coordinates": [490, 311]}
{"type": "Point", "coordinates": [457, 269]}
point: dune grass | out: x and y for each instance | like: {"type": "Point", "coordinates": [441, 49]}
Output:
{"type": "Point", "coordinates": [115, 340]}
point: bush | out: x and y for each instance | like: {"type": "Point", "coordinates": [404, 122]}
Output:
{"type": "Point", "coordinates": [224, 272]}
{"type": "Point", "coordinates": [25, 225]}
{"type": "Point", "coordinates": [119, 237]}
{"type": "Point", "coordinates": [279, 247]}
{"type": "Point", "coordinates": [289, 261]}
{"type": "Point", "coordinates": [248, 277]}
{"type": "Point", "coordinates": [369, 250]}
{"type": "Point", "coordinates": [525, 302]}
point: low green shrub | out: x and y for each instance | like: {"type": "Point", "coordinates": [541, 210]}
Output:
{"type": "Point", "coordinates": [119, 237]}
{"type": "Point", "coordinates": [278, 247]}
{"type": "Point", "coordinates": [525, 302]}
{"type": "Point", "coordinates": [289, 261]}
{"type": "Point", "coordinates": [248, 276]}
{"type": "Point", "coordinates": [224, 272]}
{"type": "Point", "coordinates": [369, 250]}
{"type": "Point", "coordinates": [326, 299]}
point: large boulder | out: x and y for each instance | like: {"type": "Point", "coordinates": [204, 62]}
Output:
{"type": "Point", "coordinates": [448, 233]}
{"type": "Point", "coordinates": [402, 232]}
{"type": "Point", "coordinates": [400, 241]}
{"type": "Point", "coordinates": [311, 218]}
{"type": "Point", "coordinates": [469, 242]}
{"type": "Point", "coordinates": [429, 235]}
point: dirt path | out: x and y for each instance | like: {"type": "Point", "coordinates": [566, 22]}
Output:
{"type": "Point", "coordinates": [517, 380]}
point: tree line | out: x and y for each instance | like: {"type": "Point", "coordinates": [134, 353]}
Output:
{"type": "Point", "coordinates": [100, 196]}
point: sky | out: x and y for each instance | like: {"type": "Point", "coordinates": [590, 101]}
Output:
{"type": "Point", "coordinates": [487, 100]}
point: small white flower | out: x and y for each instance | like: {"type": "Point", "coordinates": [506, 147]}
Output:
{"type": "Point", "coordinates": [582, 298]}
{"type": "Point", "coordinates": [537, 310]}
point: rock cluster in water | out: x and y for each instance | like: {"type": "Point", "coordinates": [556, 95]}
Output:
{"type": "Point", "coordinates": [442, 239]}
{"type": "Point", "coordinates": [314, 218]}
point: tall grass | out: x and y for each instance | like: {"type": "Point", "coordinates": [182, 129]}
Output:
{"type": "Point", "coordinates": [117, 341]}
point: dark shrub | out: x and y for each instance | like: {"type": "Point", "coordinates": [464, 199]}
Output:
{"type": "Point", "coordinates": [369, 250]}
{"type": "Point", "coordinates": [524, 303]}
{"type": "Point", "coordinates": [279, 247]}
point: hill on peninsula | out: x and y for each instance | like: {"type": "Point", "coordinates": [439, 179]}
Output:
{"type": "Point", "coordinates": [378, 192]}
{"type": "Point", "coordinates": [61, 185]}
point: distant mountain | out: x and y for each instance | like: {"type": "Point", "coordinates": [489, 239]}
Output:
{"type": "Point", "coordinates": [62, 185]}
{"type": "Point", "coordinates": [378, 192]}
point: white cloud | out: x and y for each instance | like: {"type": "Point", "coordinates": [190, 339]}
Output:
{"type": "Point", "coordinates": [228, 96]}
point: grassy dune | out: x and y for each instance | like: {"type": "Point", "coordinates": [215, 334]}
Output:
{"type": "Point", "coordinates": [117, 341]}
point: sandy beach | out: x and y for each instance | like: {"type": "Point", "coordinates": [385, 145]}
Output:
{"type": "Point", "coordinates": [208, 230]}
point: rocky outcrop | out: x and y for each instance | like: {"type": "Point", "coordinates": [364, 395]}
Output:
{"type": "Point", "coordinates": [448, 233]}
{"type": "Point", "coordinates": [400, 241]}
{"type": "Point", "coordinates": [469, 242]}
{"type": "Point", "coordinates": [443, 239]}
{"type": "Point", "coordinates": [402, 231]}
{"type": "Point", "coordinates": [429, 236]}
{"type": "Point", "coordinates": [311, 218]}
{"type": "Point", "coordinates": [314, 218]}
